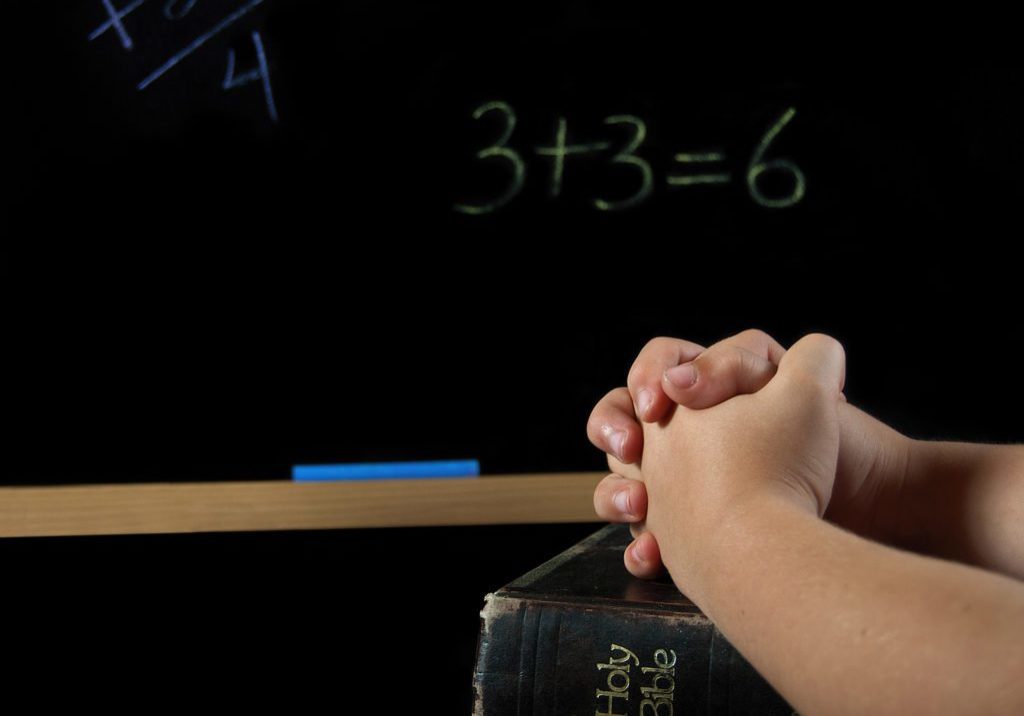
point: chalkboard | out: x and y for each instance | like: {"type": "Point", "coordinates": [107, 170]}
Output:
{"type": "Point", "coordinates": [239, 235]}
{"type": "Point", "coordinates": [243, 234]}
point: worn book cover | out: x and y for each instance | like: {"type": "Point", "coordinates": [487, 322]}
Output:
{"type": "Point", "coordinates": [580, 636]}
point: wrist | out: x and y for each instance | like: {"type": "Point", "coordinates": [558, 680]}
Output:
{"type": "Point", "coordinates": [701, 558]}
{"type": "Point", "coordinates": [868, 497]}
{"type": "Point", "coordinates": [935, 494]}
{"type": "Point", "coordinates": [892, 519]}
{"type": "Point", "coordinates": [910, 528]}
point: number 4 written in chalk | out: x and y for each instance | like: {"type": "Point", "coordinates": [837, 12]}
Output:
{"type": "Point", "coordinates": [260, 73]}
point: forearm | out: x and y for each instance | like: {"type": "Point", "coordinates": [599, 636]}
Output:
{"type": "Point", "coordinates": [965, 502]}
{"type": "Point", "coordinates": [839, 624]}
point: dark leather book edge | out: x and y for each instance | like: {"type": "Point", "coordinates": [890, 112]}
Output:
{"type": "Point", "coordinates": [604, 534]}
{"type": "Point", "coordinates": [518, 666]}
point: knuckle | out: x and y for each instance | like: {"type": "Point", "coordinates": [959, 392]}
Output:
{"type": "Point", "coordinates": [824, 343]}
{"type": "Point", "coordinates": [806, 383]}
{"type": "Point", "coordinates": [636, 372]}
{"type": "Point", "coordinates": [600, 411]}
{"type": "Point", "coordinates": [755, 335]}
{"type": "Point", "coordinates": [594, 423]}
{"type": "Point", "coordinates": [659, 342]}
{"type": "Point", "coordinates": [735, 359]}
{"type": "Point", "coordinates": [609, 397]}
{"type": "Point", "coordinates": [713, 364]}
{"type": "Point", "coordinates": [657, 345]}
{"type": "Point", "coordinates": [602, 495]}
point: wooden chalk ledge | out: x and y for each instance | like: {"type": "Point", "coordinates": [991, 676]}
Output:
{"type": "Point", "coordinates": [152, 508]}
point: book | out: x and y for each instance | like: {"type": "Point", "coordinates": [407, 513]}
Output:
{"type": "Point", "coordinates": [580, 636]}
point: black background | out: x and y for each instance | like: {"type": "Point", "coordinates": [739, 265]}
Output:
{"type": "Point", "coordinates": [195, 292]}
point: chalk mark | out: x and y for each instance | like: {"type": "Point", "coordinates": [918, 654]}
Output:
{"type": "Point", "coordinates": [684, 158]}
{"type": "Point", "coordinates": [627, 156]}
{"type": "Point", "coordinates": [261, 73]}
{"type": "Point", "coordinates": [498, 149]}
{"type": "Point", "coordinates": [561, 150]}
{"type": "Point", "coordinates": [758, 166]}
{"type": "Point", "coordinates": [695, 179]}
{"type": "Point", "coordinates": [114, 21]}
{"type": "Point", "coordinates": [268, 92]}
{"type": "Point", "coordinates": [169, 12]}
{"type": "Point", "coordinates": [197, 43]}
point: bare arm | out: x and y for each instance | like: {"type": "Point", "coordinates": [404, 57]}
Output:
{"type": "Point", "coordinates": [839, 624]}
{"type": "Point", "coordinates": [965, 501]}
{"type": "Point", "coordinates": [956, 501]}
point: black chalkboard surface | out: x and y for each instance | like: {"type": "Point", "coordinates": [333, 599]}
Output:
{"type": "Point", "coordinates": [239, 235]}
{"type": "Point", "coordinates": [246, 234]}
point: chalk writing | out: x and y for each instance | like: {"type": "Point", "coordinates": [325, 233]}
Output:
{"type": "Point", "coordinates": [498, 149]}
{"type": "Point", "coordinates": [114, 18]}
{"type": "Point", "coordinates": [757, 167]}
{"type": "Point", "coordinates": [261, 73]}
{"type": "Point", "coordinates": [692, 179]}
{"type": "Point", "coordinates": [628, 156]}
{"type": "Point", "coordinates": [197, 43]}
{"type": "Point", "coordinates": [560, 150]}
{"type": "Point", "coordinates": [174, 10]}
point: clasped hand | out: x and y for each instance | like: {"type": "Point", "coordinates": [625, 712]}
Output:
{"type": "Point", "coordinates": [729, 427]}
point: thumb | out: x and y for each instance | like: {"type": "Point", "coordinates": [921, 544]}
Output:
{"type": "Point", "coordinates": [716, 375]}
{"type": "Point", "coordinates": [817, 358]}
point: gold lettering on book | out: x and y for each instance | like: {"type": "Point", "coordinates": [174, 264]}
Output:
{"type": "Point", "coordinates": [657, 695]}
{"type": "Point", "coordinates": [617, 679]}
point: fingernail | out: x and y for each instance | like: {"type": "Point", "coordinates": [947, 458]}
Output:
{"type": "Point", "coordinates": [682, 376]}
{"type": "Point", "coordinates": [617, 439]}
{"type": "Point", "coordinates": [636, 553]}
{"type": "Point", "coordinates": [643, 402]}
{"type": "Point", "coordinates": [621, 500]}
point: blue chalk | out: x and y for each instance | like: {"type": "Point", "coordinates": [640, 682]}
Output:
{"type": "Point", "coordinates": [386, 470]}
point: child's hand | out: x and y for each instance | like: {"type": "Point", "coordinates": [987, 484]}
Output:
{"type": "Point", "coordinates": [872, 458]}
{"type": "Point", "coordinates": [703, 468]}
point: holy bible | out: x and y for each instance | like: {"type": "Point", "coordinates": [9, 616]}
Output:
{"type": "Point", "coordinates": [580, 636]}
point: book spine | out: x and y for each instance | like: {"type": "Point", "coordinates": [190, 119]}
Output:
{"type": "Point", "coordinates": [546, 658]}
